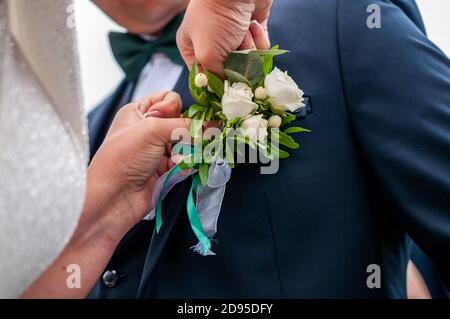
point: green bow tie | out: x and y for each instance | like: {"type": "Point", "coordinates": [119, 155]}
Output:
{"type": "Point", "coordinates": [132, 52]}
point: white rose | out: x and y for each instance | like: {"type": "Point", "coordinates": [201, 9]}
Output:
{"type": "Point", "coordinates": [237, 101]}
{"type": "Point", "coordinates": [285, 95]}
{"type": "Point", "coordinates": [255, 128]}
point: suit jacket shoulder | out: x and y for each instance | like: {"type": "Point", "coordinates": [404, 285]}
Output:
{"type": "Point", "coordinates": [397, 85]}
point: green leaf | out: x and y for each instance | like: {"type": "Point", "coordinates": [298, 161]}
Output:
{"type": "Point", "coordinates": [283, 154]}
{"type": "Point", "coordinates": [266, 151]}
{"type": "Point", "coordinates": [273, 51]}
{"type": "Point", "coordinates": [267, 64]}
{"type": "Point", "coordinates": [187, 163]}
{"type": "Point", "coordinates": [196, 125]}
{"type": "Point", "coordinates": [183, 165]}
{"type": "Point", "coordinates": [185, 114]}
{"type": "Point", "coordinates": [192, 87]}
{"type": "Point", "coordinates": [208, 114]}
{"type": "Point", "coordinates": [267, 58]}
{"type": "Point", "coordinates": [229, 156]}
{"type": "Point", "coordinates": [245, 140]}
{"type": "Point", "coordinates": [216, 105]}
{"type": "Point", "coordinates": [288, 141]}
{"type": "Point", "coordinates": [221, 116]}
{"type": "Point", "coordinates": [194, 109]}
{"type": "Point", "coordinates": [294, 129]}
{"type": "Point", "coordinates": [203, 171]}
{"type": "Point", "coordinates": [210, 150]}
{"type": "Point", "coordinates": [203, 98]}
{"type": "Point", "coordinates": [287, 118]}
{"type": "Point", "coordinates": [215, 84]}
{"type": "Point", "coordinates": [250, 65]}
{"type": "Point", "coordinates": [233, 77]}
{"type": "Point", "coordinates": [275, 152]}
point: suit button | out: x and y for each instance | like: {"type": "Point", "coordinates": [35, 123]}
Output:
{"type": "Point", "coordinates": [110, 278]}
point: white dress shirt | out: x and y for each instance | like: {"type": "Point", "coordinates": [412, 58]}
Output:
{"type": "Point", "coordinates": [160, 74]}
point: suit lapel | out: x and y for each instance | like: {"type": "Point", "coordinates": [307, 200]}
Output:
{"type": "Point", "coordinates": [182, 87]}
{"type": "Point", "coordinates": [173, 204]}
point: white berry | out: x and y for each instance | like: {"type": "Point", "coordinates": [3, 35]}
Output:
{"type": "Point", "coordinates": [201, 80]}
{"type": "Point", "coordinates": [260, 93]}
{"type": "Point", "coordinates": [275, 121]}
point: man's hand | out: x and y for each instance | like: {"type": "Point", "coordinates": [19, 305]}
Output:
{"type": "Point", "coordinates": [213, 28]}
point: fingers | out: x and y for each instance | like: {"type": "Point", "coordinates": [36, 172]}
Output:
{"type": "Point", "coordinates": [163, 131]}
{"type": "Point", "coordinates": [165, 105]}
{"type": "Point", "coordinates": [259, 35]}
{"type": "Point", "coordinates": [211, 29]}
{"type": "Point", "coordinates": [185, 46]}
{"type": "Point", "coordinates": [255, 38]}
{"type": "Point", "coordinates": [262, 10]}
{"type": "Point", "coordinates": [248, 43]}
{"type": "Point", "coordinates": [202, 38]}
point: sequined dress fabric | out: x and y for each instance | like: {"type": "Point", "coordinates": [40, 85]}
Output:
{"type": "Point", "coordinates": [43, 152]}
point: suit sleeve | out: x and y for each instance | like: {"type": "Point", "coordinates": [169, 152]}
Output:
{"type": "Point", "coordinates": [397, 86]}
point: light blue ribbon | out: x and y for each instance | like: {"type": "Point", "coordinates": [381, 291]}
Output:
{"type": "Point", "coordinates": [203, 213]}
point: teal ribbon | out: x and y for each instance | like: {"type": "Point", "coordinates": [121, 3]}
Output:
{"type": "Point", "coordinates": [194, 220]}
{"type": "Point", "coordinates": [158, 212]}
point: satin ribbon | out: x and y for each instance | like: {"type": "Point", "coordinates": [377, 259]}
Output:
{"type": "Point", "coordinates": [204, 244]}
{"type": "Point", "coordinates": [203, 213]}
{"type": "Point", "coordinates": [172, 172]}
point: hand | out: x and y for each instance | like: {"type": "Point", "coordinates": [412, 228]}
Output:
{"type": "Point", "coordinates": [122, 175]}
{"type": "Point", "coordinates": [211, 29]}
{"type": "Point", "coordinates": [120, 181]}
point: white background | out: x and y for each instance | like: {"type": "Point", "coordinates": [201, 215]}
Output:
{"type": "Point", "coordinates": [100, 74]}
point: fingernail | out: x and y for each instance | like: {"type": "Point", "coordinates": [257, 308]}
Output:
{"type": "Point", "coordinates": [152, 114]}
{"type": "Point", "coordinates": [255, 29]}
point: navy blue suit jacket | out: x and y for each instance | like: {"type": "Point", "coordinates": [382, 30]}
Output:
{"type": "Point", "coordinates": [375, 168]}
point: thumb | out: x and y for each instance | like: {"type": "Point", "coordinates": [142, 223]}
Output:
{"type": "Point", "coordinates": [163, 131]}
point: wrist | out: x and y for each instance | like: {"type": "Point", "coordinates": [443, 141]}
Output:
{"type": "Point", "coordinates": [93, 229]}
{"type": "Point", "coordinates": [105, 216]}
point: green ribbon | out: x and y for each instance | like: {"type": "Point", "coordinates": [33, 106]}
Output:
{"type": "Point", "coordinates": [158, 212]}
{"type": "Point", "coordinates": [194, 220]}
{"type": "Point", "coordinates": [192, 212]}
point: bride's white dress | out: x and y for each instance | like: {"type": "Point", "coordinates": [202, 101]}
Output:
{"type": "Point", "coordinates": [43, 143]}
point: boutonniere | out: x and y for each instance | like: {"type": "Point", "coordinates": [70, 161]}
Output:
{"type": "Point", "coordinates": [251, 110]}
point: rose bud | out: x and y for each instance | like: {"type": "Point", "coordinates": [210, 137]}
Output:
{"type": "Point", "coordinates": [260, 93]}
{"type": "Point", "coordinates": [275, 121]}
{"type": "Point", "coordinates": [201, 80]}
